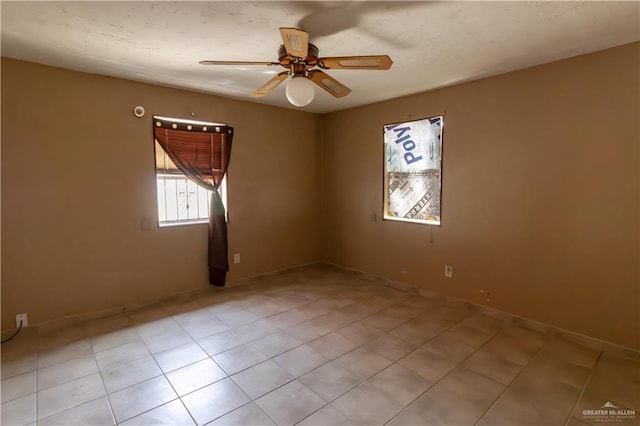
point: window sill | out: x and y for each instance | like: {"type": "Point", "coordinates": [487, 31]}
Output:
{"type": "Point", "coordinates": [174, 224]}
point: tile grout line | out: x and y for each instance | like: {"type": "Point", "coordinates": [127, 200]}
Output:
{"type": "Point", "coordinates": [69, 381]}
{"type": "Point", "coordinates": [510, 383]}
{"type": "Point", "coordinates": [134, 326]}
{"type": "Point", "coordinates": [584, 388]}
{"type": "Point", "coordinates": [327, 403]}
{"type": "Point", "coordinates": [71, 408]}
{"type": "Point", "coordinates": [302, 344]}
{"type": "Point", "coordinates": [392, 362]}
{"type": "Point", "coordinates": [36, 396]}
{"type": "Point", "coordinates": [208, 357]}
{"type": "Point", "coordinates": [37, 391]}
{"type": "Point", "coordinates": [106, 397]}
{"type": "Point", "coordinates": [358, 289]}
{"type": "Point", "coordinates": [322, 365]}
{"type": "Point", "coordinates": [164, 374]}
{"type": "Point", "coordinates": [294, 377]}
{"type": "Point", "coordinates": [230, 376]}
{"type": "Point", "coordinates": [468, 312]}
{"type": "Point", "coordinates": [107, 393]}
{"type": "Point", "coordinates": [450, 371]}
{"type": "Point", "coordinates": [66, 382]}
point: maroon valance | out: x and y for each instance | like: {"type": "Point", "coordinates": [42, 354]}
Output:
{"type": "Point", "coordinates": [202, 151]}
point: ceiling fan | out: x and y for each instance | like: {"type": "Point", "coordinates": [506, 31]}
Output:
{"type": "Point", "coordinates": [301, 60]}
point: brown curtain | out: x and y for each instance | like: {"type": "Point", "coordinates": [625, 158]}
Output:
{"type": "Point", "coordinates": [202, 152]}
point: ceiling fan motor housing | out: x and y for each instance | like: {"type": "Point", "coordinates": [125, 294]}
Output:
{"type": "Point", "coordinates": [309, 62]}
{"type": "Point", "coordinates": [299, 58]}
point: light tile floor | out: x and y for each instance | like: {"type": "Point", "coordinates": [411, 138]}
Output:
{"type": "Point", "coordinates": [312, 346]}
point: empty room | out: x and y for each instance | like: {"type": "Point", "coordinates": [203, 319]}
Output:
{"type": "Point", "coordinates": [320, 213]}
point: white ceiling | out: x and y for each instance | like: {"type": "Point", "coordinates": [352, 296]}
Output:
{"type": "Point", "coordinates": [432, 44]}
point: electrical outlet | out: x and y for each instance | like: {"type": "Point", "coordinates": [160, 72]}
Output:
{"type": "Point", "coordinates": [236, 258]}
{"type": "Point", "coordinates": [448, 271]}
{"type": "Point", "coordinates": [21, 318]}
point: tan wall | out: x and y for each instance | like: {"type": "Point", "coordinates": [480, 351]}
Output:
{"type": "Point", "coordinates": [540, 194]}
{"type": "Point", "coordinates": [540, 206]}
{"type": "Point", "coordinates": [78, 177]}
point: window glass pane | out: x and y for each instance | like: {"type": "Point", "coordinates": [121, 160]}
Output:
{"type": "Point", "coordinates": [203, 203]}
{"type": "Point", "coordinates": [182, 200]}
{"type": "Point", "coordinates": [192, 200]}
{"type": "Point", "coordinates": [181, 185]}
{"type": "Point", "coordinates": [162, 201]}
{"type": "Point", "coordinates": [171, 196]}
{"type": "Point", "coordinates": [413, 171]}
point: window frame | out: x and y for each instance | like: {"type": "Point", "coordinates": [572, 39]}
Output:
{"type": "Point", "coordinates": [176, 174]}
{"type": "Point", "coordinates": [406, 143]}
{"type": "Point", "coordinates": [180, 222]}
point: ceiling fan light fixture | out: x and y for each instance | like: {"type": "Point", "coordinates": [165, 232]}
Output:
{"type": "Point", "coordinates": [300, 59]}
{"type": "Point", "coordinates": [300, 91]}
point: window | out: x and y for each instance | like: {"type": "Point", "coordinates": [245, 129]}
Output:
{"type": "Point", "coordinates": [413, 171]}
{"type": "Point", "coordinates": [201, 151]}
{"type": "Point", "coordinates": [180, 200]}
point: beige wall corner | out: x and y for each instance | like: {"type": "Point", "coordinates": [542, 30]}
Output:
{"type": "Point", "coordinates": [540, 202]}
{"type": "Point", "coordinates": [78, 177]}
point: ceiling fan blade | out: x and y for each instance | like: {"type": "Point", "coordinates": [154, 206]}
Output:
{"type": "Point", "coordinates": [268, 87]}
{"type": "Point", "coordinates": [238, 63]}
{"type": "Point", "coordinates": [328, 83]}
{"type": "Point", "coordinates": [379, 62]}
{"type": "Point", "coordinates": [296, 41]}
